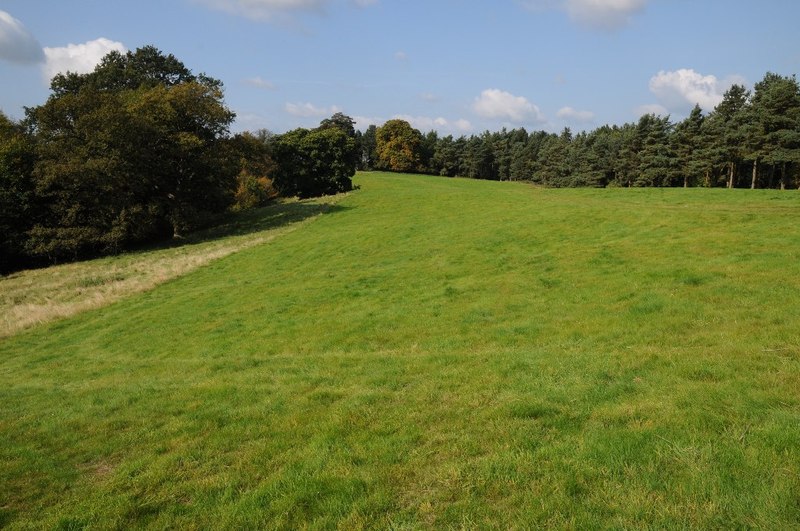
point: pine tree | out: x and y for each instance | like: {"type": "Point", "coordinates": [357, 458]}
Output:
{"type": "Point", "coordinates": [774, 126]}
{"type": "Point", "coordinates": [727, 129]}
{"type": "Point", "coordinates": [688, 147]}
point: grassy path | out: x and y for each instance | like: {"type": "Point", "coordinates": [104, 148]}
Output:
{"type": "Point", "coordinates": [434, 353]}
{"type": "Point", "coordinates": [33, 297]}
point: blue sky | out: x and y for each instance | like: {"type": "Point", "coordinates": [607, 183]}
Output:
{"type": "Point", "coordinates": [457, 66]}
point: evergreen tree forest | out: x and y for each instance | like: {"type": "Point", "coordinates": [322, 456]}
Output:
{"type": "Point", "coordinates": [750, 140]}
{"type": "Point", "coordinates": [140, 150]}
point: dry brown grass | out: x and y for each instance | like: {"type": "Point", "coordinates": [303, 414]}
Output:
{"type": "Point", "coordinates": [32, 297]}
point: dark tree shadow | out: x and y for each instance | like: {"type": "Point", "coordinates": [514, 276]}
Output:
{"type": "Point", "coordinates": [272, 216]}
{"type": "Point", "coordinates": [275, 215]}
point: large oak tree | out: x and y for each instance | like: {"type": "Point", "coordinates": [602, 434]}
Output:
{"type": "Point", "coordinates": [132, 151]}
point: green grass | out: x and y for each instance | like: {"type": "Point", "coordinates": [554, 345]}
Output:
{"type": "Point", "coordinates": [29, 298]}
{"type": "Point", "coordinates": [434, 353]}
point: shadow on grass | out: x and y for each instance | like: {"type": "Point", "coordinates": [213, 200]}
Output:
{"type": "Point", "coordinates": [272, 216]}
{"type": "Point", "coordinates": [278, 214]}
{"type": "Point", "coordinates": [269, 217]}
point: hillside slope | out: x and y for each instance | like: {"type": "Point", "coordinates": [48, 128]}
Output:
{"type": "Point", "coordinates": [433, 353]}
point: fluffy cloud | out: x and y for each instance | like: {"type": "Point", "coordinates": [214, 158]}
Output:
{"type": "Point", "coordinates": [17, 44]}
{"type": "Point", "coordinates": [574, 115]}
{"type": "Point", "coordinates": [364, 3]}
{"type": "Point", "coordinates": [426, 123]}
{"type": "Point", "coordinates": [260, 83]}
{"type": "Point", "coordinates": [495, 103]}
{"type": "Point", "coordinates": [265, 9]}
{"type": "Point", "coordinates": [682, 89]}
{"type": "Point", "coordinates": [463, 125]}
{"type": "Point", "coordinates": [80, 58]}
{"type": "Point", "coordinates": [309, 110]}
{"type": "Point", "coordinates": [598, 14]}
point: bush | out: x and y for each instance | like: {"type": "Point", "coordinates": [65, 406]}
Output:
{"type": "Point", "coordinates": [253, 191]}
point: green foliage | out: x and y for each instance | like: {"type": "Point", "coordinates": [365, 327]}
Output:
{"type": "Point", "coordinates": [144, 67]}
{"type": "Point", "coordinates": [340, 121]}
{"type": "Point", "coordinates": [316, 162]}
{"type": "Point", "coordinates": [254, 185]}
{"type": "Point", "coordinates": [130, 152]}
{"type": "Point", "coordinates": [553, 165]}
{"type": "Point", "coordinates": [727, 130]}
{"type": "Point", "coordinates": [657, 166]}
{"type": "Point", "coordinates": [445, 160]}
{"type": "Point", "coordinates": [478, 160]}
{"type": "Point", "coordinates": [690, 146]}
{"type": "Point", "coordinates": [17, 199]}
{"type": "Point", "coordinates": [368, 154]}
{"type": "Point", "coordinates": [759, 133]}
{"type": "Point", "coordinates": [774, 124]}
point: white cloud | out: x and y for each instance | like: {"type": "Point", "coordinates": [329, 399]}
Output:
{"type": "Point", "coordinates": [260, 83]}
{"type": "Point", "coordinates": [604, 14]}
{"type": "Point", "coordinates": [597, 14]}
{"type": "Point", "coordinates": [17, 44]}
{"type": "Point", "coordinates": [682, 89]}
{"type": "Point", "coordinates": [427, 123]}
{"type": "Point", "coordinates": [495, 103]}
{"type": "Point", "coordinates": [362, 122]}
{"type": "Point", "coordinates": [250, 121]}
{"type": "Point", "coordinates": [265, 9]}
{"type": "Point", "coordinates": [364, 3]}
{"type": "Point", "coordinates": [423, 123]}
{"type": "Point", "coordinates": [79, 58]}
{"type": "Point", "coordinates": [574, 115]}
{"type": "Point", "coordinates": [651, 108]}
{"type": "Point", "coordinates": [427, 96]}
{"type": "Point", "coordinates": [463, 125]}
{"type": "Point", "coordinates": [308, 110]}
{"type": "Point", "coordinates": [401, 56]}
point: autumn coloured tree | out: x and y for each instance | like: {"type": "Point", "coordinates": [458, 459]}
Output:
{"type": "Point", "coordinates": [398, 146]}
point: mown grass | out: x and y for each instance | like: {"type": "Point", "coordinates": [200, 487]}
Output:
{"type": "Point", "coordinates": [434, 353]}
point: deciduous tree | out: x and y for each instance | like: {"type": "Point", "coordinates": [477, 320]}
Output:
{"type": "Point", "coordinates": [132, 151]}
{"type": "Point", "coordinates": [314, 162]}
{"type": "Point", "coordinates": [17, 201]}
{"type": "Point", "coordinates": [398, 146]}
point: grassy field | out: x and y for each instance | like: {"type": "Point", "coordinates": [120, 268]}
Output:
{"type": "Point", "coordinates": [37, 296]}
{"type": "Point", "coordinates": [433, 353]}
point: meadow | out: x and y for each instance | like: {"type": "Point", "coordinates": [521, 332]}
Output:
{"type": "Point", "coordinates": [431, 353]}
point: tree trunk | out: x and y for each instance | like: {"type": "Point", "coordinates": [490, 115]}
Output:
{"type": "Point", "coordinates": [730, 174]}
{"type": "Point", "coordinates": [686, 181]}
{"type": "Point", "coordinates": [783, 176]}
{"type": "Point", "coordinates": [755, 175]}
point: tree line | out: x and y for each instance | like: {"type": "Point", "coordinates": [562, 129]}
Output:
{"type": "Point", "coordinates": [139, 150]}
{"type": "Point", "coordinates": [748, 140]}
